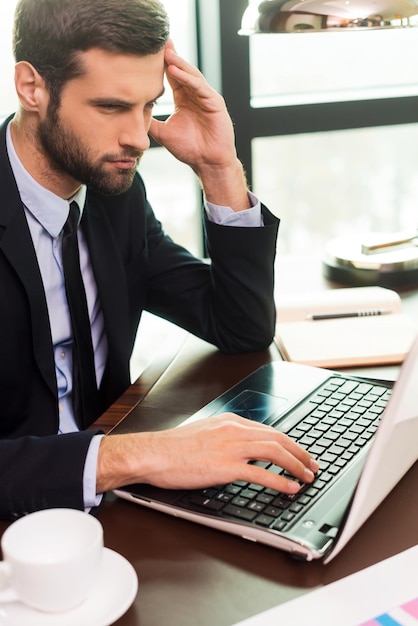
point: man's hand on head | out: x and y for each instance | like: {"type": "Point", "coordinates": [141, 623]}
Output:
{"type": "Point", "coordinates": [200, 133]}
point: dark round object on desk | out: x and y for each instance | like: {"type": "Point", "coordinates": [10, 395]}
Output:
{"type": "Point", "coordinates": [344, 262]}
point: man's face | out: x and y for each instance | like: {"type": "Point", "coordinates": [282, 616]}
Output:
{"type": "Point", "coordinates": [100, 130]}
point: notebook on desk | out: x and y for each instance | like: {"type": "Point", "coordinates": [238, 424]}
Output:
{"type": "Point", "coordinates": [363, 432]}
{"type": "Point", "coordinates": [344, 327]}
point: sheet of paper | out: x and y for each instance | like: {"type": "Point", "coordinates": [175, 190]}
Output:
{"type": "Point", "coordinates": [387, 590]}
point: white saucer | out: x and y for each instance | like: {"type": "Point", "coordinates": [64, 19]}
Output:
{"type": "Point", "coordinates": [110, 598]}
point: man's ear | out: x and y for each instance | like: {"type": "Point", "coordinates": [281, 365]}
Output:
{"type": "Point", "coordinates": [30, 87]}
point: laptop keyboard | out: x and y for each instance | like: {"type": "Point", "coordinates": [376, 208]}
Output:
{"type": "Point", "coordinates": [334, 425]}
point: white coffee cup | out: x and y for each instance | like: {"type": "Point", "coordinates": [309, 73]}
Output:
{"type": "Point", "coordinates": [51, 558]}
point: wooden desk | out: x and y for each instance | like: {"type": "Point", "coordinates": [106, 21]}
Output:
{"type": "Point", "coordinates": [191, 575]}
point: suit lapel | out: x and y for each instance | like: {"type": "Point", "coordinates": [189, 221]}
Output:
{"type": "Point", "coordinates": [16, 244]}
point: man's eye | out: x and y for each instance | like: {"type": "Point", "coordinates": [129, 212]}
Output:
{"type": "Point", "coordinates": [109, 106]}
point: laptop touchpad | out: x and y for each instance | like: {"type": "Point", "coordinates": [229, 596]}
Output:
{"type": "Point", "coordinates": [254, 405]}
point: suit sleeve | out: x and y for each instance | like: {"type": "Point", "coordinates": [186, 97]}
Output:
{"type": "Point", "coordinates": [51, 475]}
{"type": "Point", "coordinates": [228, 301]}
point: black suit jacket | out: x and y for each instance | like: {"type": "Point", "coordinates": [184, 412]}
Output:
{"type": "Point", "coordinates": [137, 267]}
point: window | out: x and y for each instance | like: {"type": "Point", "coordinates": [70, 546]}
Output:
{"type": "Point", "coordinates": [324, 185]}
{"type": "Point", "coordinates": [335, 182]}
{"type": "Point", "coordinates": [332, 66]}
{"type": "Point", "coordinates": [326, 125]}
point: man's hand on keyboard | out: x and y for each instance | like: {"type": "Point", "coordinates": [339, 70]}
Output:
{"type": "Point", "coordinates": [209, 452]}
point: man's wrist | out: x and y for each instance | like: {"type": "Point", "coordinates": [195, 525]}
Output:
{"type": "Point", "coordinates": [120, 461]}
{"type": "Point", "coordinates": [225, 186]}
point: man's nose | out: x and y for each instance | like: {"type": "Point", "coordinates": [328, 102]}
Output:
{"type": "Point", "coordinates": [135, 135]}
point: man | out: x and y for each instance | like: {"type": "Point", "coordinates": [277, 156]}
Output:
{"type": "Point", "coordinates": [87, 75]}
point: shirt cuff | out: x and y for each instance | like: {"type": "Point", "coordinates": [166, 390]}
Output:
{"type": "Point", "coordinates": [225, 216]}
{"type": "Point", "coordinates": [91, 498]}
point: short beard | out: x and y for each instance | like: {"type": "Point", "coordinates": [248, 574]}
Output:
{"type": "Point", "coordinates": [68, 156]}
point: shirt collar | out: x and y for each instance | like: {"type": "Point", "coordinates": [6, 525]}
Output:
{"type": "Point", "coordinates": [47, 208]}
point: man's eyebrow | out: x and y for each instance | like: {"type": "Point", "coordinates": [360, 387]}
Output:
{"type": "Point", "coordinates": [109, 101]}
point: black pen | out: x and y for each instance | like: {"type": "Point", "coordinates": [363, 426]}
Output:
{"type": "Point", "coordinates": [331, 316]}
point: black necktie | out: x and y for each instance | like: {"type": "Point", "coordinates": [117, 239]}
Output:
{"type": "Point", "coordinates": [85, 395]}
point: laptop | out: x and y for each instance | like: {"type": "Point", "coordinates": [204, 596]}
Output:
{"type": "Point", "coordinates": [363, 432]}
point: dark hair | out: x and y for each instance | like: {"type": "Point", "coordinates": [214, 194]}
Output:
{"type": "Point", "coordinates": [50, 34]}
